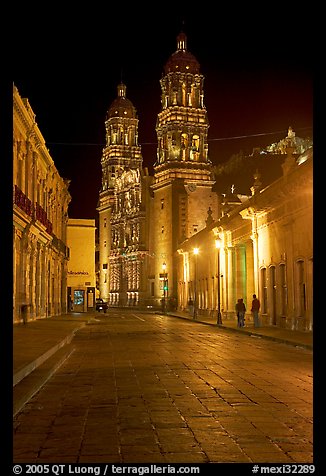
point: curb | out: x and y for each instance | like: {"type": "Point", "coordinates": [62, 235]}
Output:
{"type": "Point", "coordinates": [30, 385]}
{"type": "Point", "coordinates": [25, 371]}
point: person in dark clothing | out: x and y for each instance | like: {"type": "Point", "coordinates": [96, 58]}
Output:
{"type": "Point", "coordinates": [255, 306]}
{"type": "Point", "coordinates": [240, 309]}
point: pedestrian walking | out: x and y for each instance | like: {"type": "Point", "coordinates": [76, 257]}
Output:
{"type": "Point", "coordinates": [240, 310]}
{"type": "Point", "coordinates": [237, 311]}
{"type": "Point", "coordinates": [255, 306]}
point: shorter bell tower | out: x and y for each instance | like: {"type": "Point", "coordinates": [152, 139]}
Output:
{"type": "Point", "coordinates": [122, 228]}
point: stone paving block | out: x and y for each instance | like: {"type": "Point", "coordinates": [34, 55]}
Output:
{"type": "Point", "coordinates": [100, 458]}
{"type": "Point", "coordinates": [27, 458]}
{"type": "Point", "coordinates": [185, 458]}
{"type": "Point", "coordinates": [100, 447]}
{"type": "Point", "coordinates": [268, 457]}
{"type": "Point", "coordinates": [139, 457]}
{"type": "Point", "coordinates": [301, 456]}
{"type": "Point", "coordinates": [216, 457]}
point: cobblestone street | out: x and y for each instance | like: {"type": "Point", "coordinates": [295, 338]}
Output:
{"type": "Point", "coordinates": [145, 388]}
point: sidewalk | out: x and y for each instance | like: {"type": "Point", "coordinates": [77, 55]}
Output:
{"type": "Point", "coordinates": [41, 346]}
{"type": "Point", "coordinates": [286, 336]}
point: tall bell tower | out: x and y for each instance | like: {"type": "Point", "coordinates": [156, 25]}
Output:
{"type": "Point", "coordinates": [123, 240]}
{"type": "Point", "coordinates": [183, 174]}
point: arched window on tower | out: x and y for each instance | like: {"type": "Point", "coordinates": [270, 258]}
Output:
{"type": "Point", "coordinates": [195, 143]}
{"type": "Point", "coordinates": [114, 136]}
{"type": "Point", "coordinates": [184, 145]}
{"type": "Point", "coordinates": [184, 94]}
{"type": "Point", "coordinates": [194, 153]}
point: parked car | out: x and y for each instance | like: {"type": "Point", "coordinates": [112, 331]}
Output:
{"type": "Point", "coordinates": [101, 305]}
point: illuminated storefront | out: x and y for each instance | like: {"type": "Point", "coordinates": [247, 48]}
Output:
{"type": "Point", "coordinates": [81, 278]}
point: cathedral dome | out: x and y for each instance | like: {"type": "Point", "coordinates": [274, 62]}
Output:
{"type": "Point", "coordinates": [182, 60]}
{"type": "Point", "coordinates": [121, 106]}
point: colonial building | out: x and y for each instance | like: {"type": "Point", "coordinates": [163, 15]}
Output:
{"type": "Point", "coordinates": [81, 279]}
{"type": "Point", "coordinates": [40, 213]}
{"type": "Point", "coordinates": [263, 244]}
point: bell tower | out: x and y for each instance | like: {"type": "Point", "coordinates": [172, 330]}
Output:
{"type": "Point", "coordinates": [183, 174]}
{"type": "Point", "coordinates": [122, 240]}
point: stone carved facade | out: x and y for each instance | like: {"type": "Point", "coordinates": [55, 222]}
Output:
{"type": "Point", "coordinates": [123, 231]}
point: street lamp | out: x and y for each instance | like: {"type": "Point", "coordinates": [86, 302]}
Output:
{"type": "Point", "coordinates": [218, 246]}
{"type": "Point", "coordinates": [196, 251]}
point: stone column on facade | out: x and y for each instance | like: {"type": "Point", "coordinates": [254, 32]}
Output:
{"type": "Point", "coordinates": [18, 273]}
{"type": "Point", "coordinates": [222, 295]}
{"type": "Point", "coordinates": [14, 267]}
{"type": "Point", "coordinates": [57, 284]}
{"type": "Point", "coordinates": [34, 178]}
{"type": "Point", "coordinates": [27, 169]}
{"type": "Point", "coordinates": [48, 283]}
{"type": "Point", "coordinates": [39, 277]}
{"type": "Point", "coordinates": [250, 275]}
{"type": "Point", "coordinates": [34, 278]}
{"type": "Point", "coordinates": [185, 278]}
{"type": "Point", "coordinates": [42, 281]}
{"type": "Point", "coordinates": [27, 276]}
{"type": "Point", "coordinates": [64, 308]}
{"type": "Point", "coordinates": [255, 254]}
{"type": "Point", "coordinates": [230, 281]}
{"type": "Point", "coordinates": [290, 317]}
{"type": "Point", "coordinates": [241, 289]}
{"type": "Point", "coordinates": [212, 293]}
{"type": "Point", "coordinates": [310, 277]}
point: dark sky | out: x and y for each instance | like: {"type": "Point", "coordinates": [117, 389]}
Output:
{"type": "Point", "coordinates": [258, 80]}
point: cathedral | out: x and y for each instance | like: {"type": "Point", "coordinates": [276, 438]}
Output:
{"type": "Point", "coordinates": [142, 218]}
{"type": "Point", "coordinates": [183, 238]}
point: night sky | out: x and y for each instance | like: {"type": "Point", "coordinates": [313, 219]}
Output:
{"type": "Point", "coordinates": [258, 82]}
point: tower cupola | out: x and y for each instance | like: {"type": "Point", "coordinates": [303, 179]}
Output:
{"type": "Point", "coordinates": [182, 60]}
{"type": "Point", "coordinates": [121, 106]}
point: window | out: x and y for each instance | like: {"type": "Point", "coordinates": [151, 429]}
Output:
{"type": "Point", "coordinates": [283, 290]}
{"type": "Point", "coordinates": [302, 287]}
{"type": "Point", "coordinates": [78, 297]}
{"type": "Point", "coordinates": [264, 290]}
{"type": "Point", "coordinates": [105, 266]}
{"type": "Point", "coordinates": [195, 143]}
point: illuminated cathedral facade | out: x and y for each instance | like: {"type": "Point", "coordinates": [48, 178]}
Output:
{"type": "Point", "coordinates": [143, 219]}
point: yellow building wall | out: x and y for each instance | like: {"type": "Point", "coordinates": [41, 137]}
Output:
{"type": "Point", "coordinates": [81, 242]}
